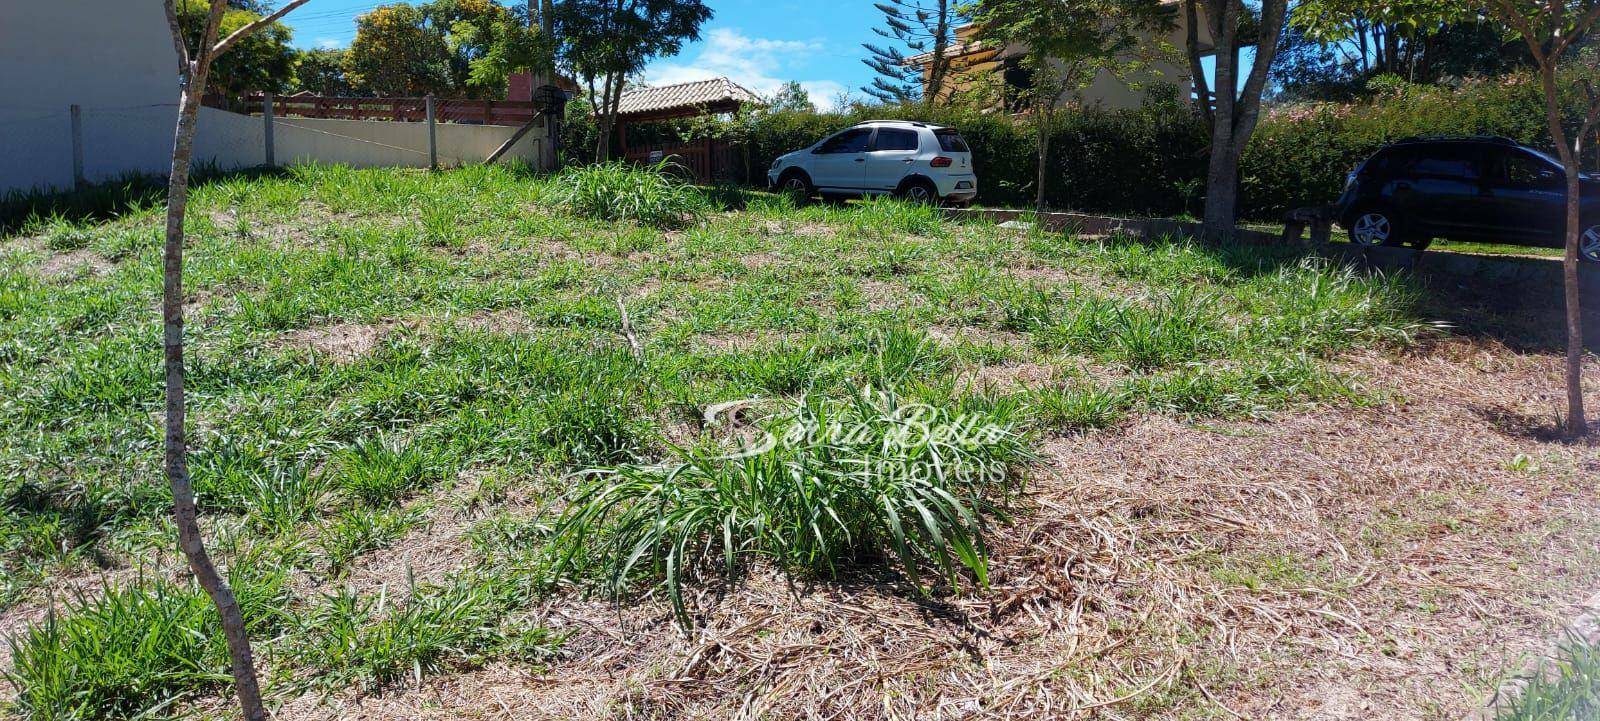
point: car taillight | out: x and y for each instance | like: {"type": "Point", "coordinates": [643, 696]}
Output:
{"type": "Point", "coordinates": [941, 162]}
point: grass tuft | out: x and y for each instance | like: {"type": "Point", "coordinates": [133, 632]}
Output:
{"type": "Point", "coordinates": [135, 651]}
{"type": "Point", "coordinates": [620, 191]}
{"type": "Point", "coordinates": [846, 482]}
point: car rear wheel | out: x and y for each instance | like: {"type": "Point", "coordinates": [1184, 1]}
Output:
{"type": "Point", "coordinates": [1589, 244]}
{"type": "Point", "coordinates": [920, 192]}
{"type": "Point", "coordinates": [1373, 228]}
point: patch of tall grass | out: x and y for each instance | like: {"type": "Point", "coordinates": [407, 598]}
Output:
{"type": "Point", "coordinates": [1569, 691]}
{"type": "Point", "coordinates": [863, 480]}
{"type": "Point", "coordinates": [619, 191]}
{"type": "Point", "coordinates": [137, 650]}
{"type": "Point", "coordinates": [378, 641]}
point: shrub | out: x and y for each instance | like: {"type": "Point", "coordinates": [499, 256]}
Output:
{"type": "Point", "coordinates": [619, 191]}
{"type": "Point", "coordinates": [841, 482]}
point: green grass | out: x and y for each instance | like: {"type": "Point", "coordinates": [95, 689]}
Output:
{"type": "Point", "coordinates": [616, 191]}
{"type": "Point", "coordinates": [135, 651]}
{"type": "Point", "coordinates": [376, 642]}
{"type": "Point", "coordinates": [1570, 693]}
{"type": "Point", "coordinates": [373, 350]}
{"type": "Point", "coordinates": [866, 479]}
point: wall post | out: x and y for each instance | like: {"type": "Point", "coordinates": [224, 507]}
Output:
{"type": "Point", "coordinates": [433, 138]}
{"type": "Point", "coordinates": [267, 103]}
{"type": "Point", "coordinates": [78, 180]}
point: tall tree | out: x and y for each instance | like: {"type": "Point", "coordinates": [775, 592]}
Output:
{"type": "Point", "coordinates": [1550, 28]}
{"type": "Point", "coordinates": [923, 27]}
{"type": "Point", "coordinates": [513, 42]}
{"type": "Point", "coordinates": [604, 42]}
{"type": "Point", "coordinates": [397, 52]}
{"type": "Point", "coordinates": [194, 66]}
{"type": "Point", "coordinates": [470, 29]}
{"type": "Point", "coordinates": [321, 71]}
{"type": "Point", "coordinates": [791, 97]}
{"type": "Point", "coordinates": [1066, 44]}
{"type": "Point", "coordinates": [1420, 40]}
{"type": "Point", "coordinates": [1234, 109]}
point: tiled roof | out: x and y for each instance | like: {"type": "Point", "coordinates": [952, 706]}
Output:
{"type": "Point", "coordinates": [684, 95]}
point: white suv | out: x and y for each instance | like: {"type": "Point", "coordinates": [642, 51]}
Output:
{"type": "Point", "coordinates": [916, 161]}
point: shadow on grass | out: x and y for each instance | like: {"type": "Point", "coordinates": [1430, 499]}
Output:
{"type": "Point", "coordinates": [107, 200]}
{"type": "Point", "coordinates": [1525, 316]}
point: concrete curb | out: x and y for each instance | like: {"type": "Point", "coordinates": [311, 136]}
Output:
{"type": "Point", "coordinates": [1583, 629]}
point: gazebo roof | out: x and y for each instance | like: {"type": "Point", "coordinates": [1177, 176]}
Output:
{"type": "Point", "coordinates": [685, 98]}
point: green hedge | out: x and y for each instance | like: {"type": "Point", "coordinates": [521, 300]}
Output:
{"type": "Point", "coordinates": [1152, 161]}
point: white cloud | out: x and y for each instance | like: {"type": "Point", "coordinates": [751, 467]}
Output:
{"type": "Point", "coordinates": [756, 63]}
{"type": "Point", "coordinates": [329, 43]}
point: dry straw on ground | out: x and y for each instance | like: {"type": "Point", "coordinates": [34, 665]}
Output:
{"type": "Point", "coordinates": [1336, 563]}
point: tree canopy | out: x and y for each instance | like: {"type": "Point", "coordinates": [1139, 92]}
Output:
{"type": "Point", "coordinates": [263, 61]}
{"type": "Point", "coordinates": [604, 42]}
{"type": "Point", "coordinates": [920, 26]}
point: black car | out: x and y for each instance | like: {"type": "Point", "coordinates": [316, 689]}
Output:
{"type": "Point", "coordinates": [1471, 189]}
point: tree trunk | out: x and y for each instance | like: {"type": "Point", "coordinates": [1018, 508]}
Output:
{"type": "Point", "coordinates": [1043, 123]}
{"type": "Point", "coordinates": [1577, 422]}
{"type": "Point", "coordinates": [1238, 108]}
{"type": "Point", "coordinates": [177, 467]}
{"type": "Point", "coordinates": [1222, 186]}
{"type": "Point", "coordinates": [1202, 90]}
{"type": "Point", "coordinates": [940, 65]}
{"type": "Point", "coordinates": [1391, 49]}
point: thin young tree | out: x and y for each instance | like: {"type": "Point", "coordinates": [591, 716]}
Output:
{"type": "Point", "coordinates": [1065, 45]}
{"type": "Point", "coordinates": [194, 66]}
{"type": "Point", "coordinates": [1237, 108]}
{"type": "Point", "coordinates": [1550, 28]}
{"type": "Point", "coordinates": [921, 26]}
{"type": "Point", "coordinates": [607, 42]}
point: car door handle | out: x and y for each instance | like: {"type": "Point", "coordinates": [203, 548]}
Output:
{"type": "Point", "coordinates": [861, 160]}
{"type": "Point", "coordinates": [909, 161]}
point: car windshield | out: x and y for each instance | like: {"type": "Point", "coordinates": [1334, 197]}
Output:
{"type": "Point", "coordinates": [950, 141]}
{"type": "Point", "coordinates": [1542, 155]}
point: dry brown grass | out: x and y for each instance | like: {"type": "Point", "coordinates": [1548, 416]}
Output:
{"type": "Point", "coordinates": [1335, 563]}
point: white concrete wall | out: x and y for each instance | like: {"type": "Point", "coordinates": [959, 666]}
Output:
{"type": "Point", "coordinates": [114, 58]}
{"type": "Point", "coordinates": [230, 140]}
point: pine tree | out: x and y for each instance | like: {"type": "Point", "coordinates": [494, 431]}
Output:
{"type": "Point", "coordinates": [921, 26]}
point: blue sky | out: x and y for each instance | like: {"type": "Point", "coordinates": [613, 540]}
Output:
{"type": "Point", "coordinates": [758, 43]}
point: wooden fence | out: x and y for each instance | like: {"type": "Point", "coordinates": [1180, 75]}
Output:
{"type": "Point", "coordinates": [411, 110]}
{"type": "Point", "coordinates": [706, 161]}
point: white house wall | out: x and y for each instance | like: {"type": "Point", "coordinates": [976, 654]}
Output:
{"type": "Point", "coordinates": [114, 58]}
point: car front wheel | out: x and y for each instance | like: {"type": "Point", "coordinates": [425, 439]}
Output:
{"type": "Point", "coordinates": [795, 184]}
{"type": "Point", "coordinates": [1373, 228]}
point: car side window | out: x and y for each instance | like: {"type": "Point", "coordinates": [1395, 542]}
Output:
{"type": "Point", "coordinates": [892, 139]}
{"type": "Point", "coordinates": [1520, 170]}
{"type": "Point", "coordinates": [849, 141]}
{"type": "Point", "coordinates": [1448, 163]}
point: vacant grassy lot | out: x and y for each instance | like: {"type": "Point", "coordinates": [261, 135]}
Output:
{"type": "Point", "coordinates": [451, 437]}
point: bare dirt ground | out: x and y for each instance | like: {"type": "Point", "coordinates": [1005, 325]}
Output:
{"type": "Point", "coordinates": [1386, 562]}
